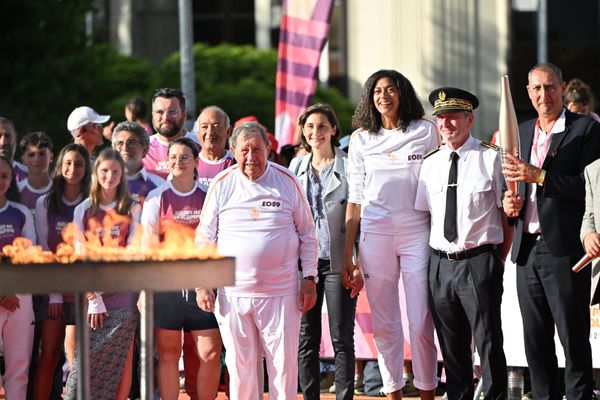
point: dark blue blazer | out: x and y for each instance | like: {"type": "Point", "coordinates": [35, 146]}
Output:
{"type": "Point", "coordinates": [561, 200]}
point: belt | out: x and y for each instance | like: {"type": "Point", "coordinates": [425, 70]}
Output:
{"type": "Point", "coordinates": [464, 254]}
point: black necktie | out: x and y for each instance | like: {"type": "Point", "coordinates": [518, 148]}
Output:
{"type": "Point", "coordinates": [450, 218]}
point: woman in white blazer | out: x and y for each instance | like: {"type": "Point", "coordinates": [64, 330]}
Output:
{"type": "Point", "coordinates": [322, 172]}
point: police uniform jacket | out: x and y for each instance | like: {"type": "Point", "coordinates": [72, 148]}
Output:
{"type": "Point", "coordinates": [479, 195]}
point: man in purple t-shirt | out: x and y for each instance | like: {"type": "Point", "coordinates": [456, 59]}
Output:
{"type": "Point", "coordinates": [131, 141]}
{"type": "Point", "coordinates": [214, 128]}
{"type": "Point", "coordinates": [168, 117]}
{"type": "Point", "coordinates": [8, 145]}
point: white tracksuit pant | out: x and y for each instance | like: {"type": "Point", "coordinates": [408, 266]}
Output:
{"type": "Point", "coordinates": [255, 326]}
{"type": "Point", "coordinates": [16, 341]}
{"type": "Point", "coordinates": [384, 258]}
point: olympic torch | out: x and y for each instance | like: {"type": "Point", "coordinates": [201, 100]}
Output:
{"type": "Point", "coordinates": [585, 260]}
{"type": "Point", "coordinates": [508, 128]}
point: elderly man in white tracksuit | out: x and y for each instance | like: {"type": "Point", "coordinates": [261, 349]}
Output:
{"type": "Point", "coordinates": [258, 212]}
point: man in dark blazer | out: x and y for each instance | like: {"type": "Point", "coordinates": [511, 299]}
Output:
{"type": "Point", "coordinates": [555, 148]}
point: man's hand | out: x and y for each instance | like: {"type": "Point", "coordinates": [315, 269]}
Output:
{"type": "Point", "coordinates": [351, 276]}
{"type": "Point", "coordinates": [512, 203]}
{"type": "Point", "coordinates": [205, 298]}
{"type": "Point", "coordinates": [97, 320]}
{"type": "Point", "coordinates": [308, 295]}
{"type": "Point", "coordinates": [591, 243]}
{"type": "Point", "coordinates": [517, 170]}
{"type": "Point", "coordinates": [10, 302]}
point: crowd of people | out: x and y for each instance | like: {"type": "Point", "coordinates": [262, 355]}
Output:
{"type": "Point", "coordinates": [413, 202]}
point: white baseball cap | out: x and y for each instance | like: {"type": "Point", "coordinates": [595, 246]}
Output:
{"type": "Point", "coordinates": [84, 115]}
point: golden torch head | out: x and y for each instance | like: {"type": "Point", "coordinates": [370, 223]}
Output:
{"type": "Point", "coordinates": [508, 134]}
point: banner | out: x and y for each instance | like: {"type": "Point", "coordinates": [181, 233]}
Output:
{"type": "Point", "coordinates": [303, 33]}
{"type": "Point", "coordinates": [512, 328]}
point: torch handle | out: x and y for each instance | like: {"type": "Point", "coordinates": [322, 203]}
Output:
{"type": "Point", "coordinates": [516, 152]}
{"type": "Point", "coordinates": [585, 260]}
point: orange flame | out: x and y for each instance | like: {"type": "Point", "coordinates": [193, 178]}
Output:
{"type": "Point", "coordinates": [97, 244]}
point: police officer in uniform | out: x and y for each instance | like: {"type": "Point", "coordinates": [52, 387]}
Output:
{"type": "Point", "coordinates": [460, 185]}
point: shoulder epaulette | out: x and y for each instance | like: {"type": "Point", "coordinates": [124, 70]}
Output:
{"type": "Point", "coordinates": [490, 146]}
{"type": "Point", "coordinates": [430, 152]}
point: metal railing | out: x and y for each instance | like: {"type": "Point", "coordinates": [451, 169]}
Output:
{"type": "Point", "coordinates": [143, 276]}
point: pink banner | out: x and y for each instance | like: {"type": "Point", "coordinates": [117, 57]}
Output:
{"type": "Point", "coordinates": [303, 33]}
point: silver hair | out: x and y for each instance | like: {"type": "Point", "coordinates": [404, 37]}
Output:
{"type": "Point", "coordinates": [133, 127]}
{"type": "Point", "coordinates": [249, 128]}
{"type": "Point", "coordinates": [546, 67]}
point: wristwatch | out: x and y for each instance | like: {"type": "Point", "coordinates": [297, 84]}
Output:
{"type": "Point", "coordinates": [311, 278]}
{"type": "Point", "coordinates": [542, 177]}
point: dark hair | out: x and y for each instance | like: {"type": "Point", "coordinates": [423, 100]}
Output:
{"type": "Point", "coordinates": [12, 194]}
{"type": "Point", "coordinates": [192, 146]}
{"type": "Point", "coordinates": [133, 127]}
{"type": "Point", "coordinates": [169, 93]}
{"type": "Point", "coordinates": [38, 139]}
{"type": "Point", "coordinates": [138, 108]}
{"type": "Point", "coordinates": [54, 198]}
{"type": "Point", "coordinates": [9, 123]}
{"type": "Point", "coordinates": [366, 115]}
{"type": "Point", "coordinates": [546, 67]}
{"type": "Point", "coordinates": [327, 111]}
{"type": "Point", "coordinates": [579, 92]}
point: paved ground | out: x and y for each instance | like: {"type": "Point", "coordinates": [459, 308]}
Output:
{"type": "Point", "coordinates": [222, 396]}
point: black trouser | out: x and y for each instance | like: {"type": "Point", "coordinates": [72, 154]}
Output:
{"type": "Point", "coordinates": [550, 295]}
{"type": "Point", "coordinates": [465, 299]}
{"type": "Point", "coordinates": [341, 309]}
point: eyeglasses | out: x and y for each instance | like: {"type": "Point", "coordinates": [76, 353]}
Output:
{"type": "Point", "coordinates": [184, 158]}
{"type": "Point", "coordinates": [171, 112]}
{"type": "Point", "coordinates": [130, 143]}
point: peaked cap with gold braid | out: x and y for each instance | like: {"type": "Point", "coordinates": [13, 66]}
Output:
{"type": "Point", "coordinates": [447, 99]}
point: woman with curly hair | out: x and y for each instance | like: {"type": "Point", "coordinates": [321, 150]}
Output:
{"type": "Point", "coordinates": [384, 160]}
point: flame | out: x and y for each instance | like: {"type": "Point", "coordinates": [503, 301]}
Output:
{"type": "Point", "coordinates": [97, 244]}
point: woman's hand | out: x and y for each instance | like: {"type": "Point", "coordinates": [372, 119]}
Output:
{"type": "Point", "coordinates": [97, 320]}
{"type": "Point", "coordinates": [351, 276]}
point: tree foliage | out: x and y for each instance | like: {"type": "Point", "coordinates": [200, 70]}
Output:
{"type": "Point", "coordinates": [241, 80]}
{"type": "Point", "coordinates": [49, 68]}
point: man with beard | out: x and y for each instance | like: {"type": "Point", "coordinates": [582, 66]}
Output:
{"type": "Point", "coordinates": [168, 117]}
{"type": "Point", "coordinates": [131, 141]}
{"type": "Point", "coordinates": [8, 145]}
{"type": "Point", "coordinates": [214, 128]}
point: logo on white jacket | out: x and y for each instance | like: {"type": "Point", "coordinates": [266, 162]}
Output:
{"type": "Point", "coordinates": [270, 204]}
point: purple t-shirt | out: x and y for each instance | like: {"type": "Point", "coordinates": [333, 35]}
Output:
{"type": "Point", "coordinates": [157, 159]}
{"type": "Point", "coordinates": [166, 205]}
{"type": "Point", "coordinates": [121, 231]}
{"type": "Point", "coordinates": [49, 227]}
{"type": "Point", "coordinates": [142, 183]}
{"type": "Point", "coordinates": [29, 195]}
{"type": "Point", "coordinates": [15, 221]}
{"type": "Point", "coordinates": [20, 171]}
{"type": "Point", "coordinates": [208, 169]}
